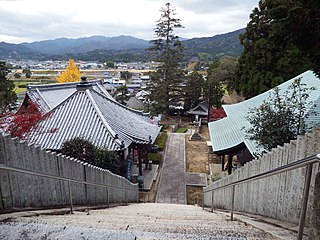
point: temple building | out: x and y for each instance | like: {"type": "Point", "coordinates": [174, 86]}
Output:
{"type": "Point", "coordinates": [228, 135]}
{"type": "Point", "coordinates": [86, 109]}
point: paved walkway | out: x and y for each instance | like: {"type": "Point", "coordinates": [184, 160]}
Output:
{"type": "Point", "coordinates": [172, 185]}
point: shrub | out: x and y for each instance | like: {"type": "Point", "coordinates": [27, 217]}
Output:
{"type": "Point", "coordinates": [181, 130]}
{"type": "Point", "coordinates": [22, 85]}
{"type": "Point", "coordinates": [155, 158]}
{"type": "Point", "coordinates": [81, 149]}
{"type": "Point", "coordinates": [85, 151]}
{"type": "Point", "coordinates": [161, 141]}
{"type": "Point", "coordinates": [108, 160]}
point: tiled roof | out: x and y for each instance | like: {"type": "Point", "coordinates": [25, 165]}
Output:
{"type": "Point", "coordinates": [48, 96]}
{"type": "Point", "coordinates": [200, 109]}
{"type": "Point", "coordinates": [135, 103]}
{"type": "Point", "coordinates": [92, 115]}
{"type": "Point", "coordinates": [229, 132]}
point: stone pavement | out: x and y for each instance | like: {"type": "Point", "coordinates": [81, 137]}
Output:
{"type": "Point", "coordinates": [196, 179]}
{"type": "Point", "coordinates": [172, 185]}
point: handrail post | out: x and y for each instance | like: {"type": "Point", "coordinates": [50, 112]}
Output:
{"type": "Point", "coordinates": [305, 201]}
{"type": "Point", "coordinates": [70, 197]}
{"type": "Point", "coordinates": [232, 201]}
{"type": "Point", "coordinates": [108, 200]}
{"type": "Point", "coordinates": [126, 196]}
{"type": "Point", "coordinates": [212, 201]}
{"type": "Point", "coordinates": [202, 200]}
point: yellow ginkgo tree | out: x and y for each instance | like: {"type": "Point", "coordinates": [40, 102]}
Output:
{"type": "Point", "coordinates": [71, 74]}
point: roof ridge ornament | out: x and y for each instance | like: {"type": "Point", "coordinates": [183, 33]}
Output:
{"type": "Point", "coordinates": [84, 84]}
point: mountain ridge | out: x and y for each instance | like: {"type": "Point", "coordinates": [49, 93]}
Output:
{"type": "Point", "coordinates": [94, 48]}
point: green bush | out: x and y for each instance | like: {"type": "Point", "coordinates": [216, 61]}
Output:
{"type": "Point", "coordinates": [81, 149]}
{"type": "Point", "coordinates": [181, 130]}
{"type": "Point", "coordinates": [161, 141]}
{"type": "Point", "coordinates": [108, 160]}
{"type": "Point", "coordinates": [85, 151]}
{"type": "Point", "coordinates": [22, 85]}
{"type": "Point", "coordinates": [155, 158]}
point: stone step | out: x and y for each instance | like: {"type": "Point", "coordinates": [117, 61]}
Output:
{"type": "Point", "coordinates": [136, 221]}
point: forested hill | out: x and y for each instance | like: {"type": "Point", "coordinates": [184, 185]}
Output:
{"type": "Point", "coordinates": [216, 46]}
{"type": "Point", "coordinates": [122, 48]}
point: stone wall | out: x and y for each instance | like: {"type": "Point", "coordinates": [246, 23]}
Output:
{"type": "Point", "coordinates": [23, 190]}
{"type": "Point", "coordinates": [278, 196]}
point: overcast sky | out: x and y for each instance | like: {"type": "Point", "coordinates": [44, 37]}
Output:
{"type": "Point", "coordinates": [34, 20]}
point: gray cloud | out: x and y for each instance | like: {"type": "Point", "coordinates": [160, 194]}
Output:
{"type": "Point", "coordinates": [208, 18]}
{"type": "Point", "coordinates": [213, 6]}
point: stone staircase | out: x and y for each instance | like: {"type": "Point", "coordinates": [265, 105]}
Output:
{"type": "Point", "coordinates": [195, 136]}
{"type": "Point", "coordinates": [136, 221]}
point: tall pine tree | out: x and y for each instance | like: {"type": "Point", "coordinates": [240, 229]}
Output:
{"type": "Point", "coordinates": [165, 86]}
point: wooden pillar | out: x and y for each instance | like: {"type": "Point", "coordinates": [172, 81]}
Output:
{"type": "Point", "coordinates": [145, 153]}
{"type": "Point", "coordinates": [140, 161]}
{"type": "Point", "coordinates": [222, 162]}
{"type": "Point", "coordinates": [229, 164]}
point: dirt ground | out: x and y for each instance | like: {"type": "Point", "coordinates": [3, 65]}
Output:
{"type": "Point", "coordinates": [197, 161]}
{"type": "Point", "coordinates": [197, 152]}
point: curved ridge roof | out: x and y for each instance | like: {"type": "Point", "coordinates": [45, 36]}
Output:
{"type": "Point", "coordinates": [94, 116]}
{"type": "Point", "coordinates": [48, 96]}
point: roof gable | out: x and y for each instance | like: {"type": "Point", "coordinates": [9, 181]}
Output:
{"type": "Point", "coordinates": [200, 109]}
{"type": "Point", "coordinates": [92, 115]}
{"type": "Point", "coordinates": [48, 96]}
{"type": "Point", "coordinates": [75, 117]}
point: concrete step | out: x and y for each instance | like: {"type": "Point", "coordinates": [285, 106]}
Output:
{"type": "Point", "coordinates": [136, 221]}
{"type": "Point", "coordinates": [196, 137]}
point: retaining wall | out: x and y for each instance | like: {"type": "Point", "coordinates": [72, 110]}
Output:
{"type": "Point", "coordinates": [23, 190]}
{"type": "Point", "coordinates": [278, 196]}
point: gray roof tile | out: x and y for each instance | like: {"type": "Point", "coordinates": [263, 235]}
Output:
{"type": "Point", "coordinates": [95, 116]}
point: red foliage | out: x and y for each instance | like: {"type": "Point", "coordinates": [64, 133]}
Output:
{"type": "Point", "coordinates": [217, 114]}
{"type": "Point", "coordinates": [21, 123]}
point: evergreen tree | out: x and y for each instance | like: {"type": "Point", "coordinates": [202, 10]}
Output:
{"type": "Point", "coordinates": [71, 74]}
{"type": "Point", "coordinates": [193, 90]}
{"type": "Point", "coordinates": [121, 94]}
{"type": "Point", "coordinates": [270, 55]}
{"type": "Point", "coordinates": [125, 75]}
{"type": "Point", "coordinates": [165, 84]}
{"type": "Point", "coordinates": [213, 86]}
{"type": "Point", "coordinates": [7, 95]}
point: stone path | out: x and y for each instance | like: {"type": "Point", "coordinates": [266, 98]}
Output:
{"type": "Point", "coordinates": [172, 185]}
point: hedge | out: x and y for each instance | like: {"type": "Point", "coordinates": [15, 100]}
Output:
{"type": "Point", "coordinates": [161, 141]}
{"type": "Point", "coordinates": [154, 157]}
{"type": "Point", "coordinates": [181, 130]}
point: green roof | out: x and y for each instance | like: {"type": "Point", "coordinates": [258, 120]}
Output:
{"type": "Point", "coordinates": [229, 132]}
